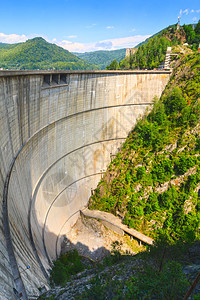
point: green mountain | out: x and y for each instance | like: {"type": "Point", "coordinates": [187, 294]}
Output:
{"type": "Point", "coordinates": [157, 33]}
{"type": "Point", "coordinates": [154, 181]}
{"type": "Point", "coordinates": [4, 46]}
{"type": "Point", "coordinates": [102, 58]}
{"type": "Point", "coordinates": [39, 54]}
{"type": "Point", "coordinates": [151, 53]}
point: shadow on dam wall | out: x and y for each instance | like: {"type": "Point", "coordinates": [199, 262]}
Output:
{"type": "Point", "coordinates": [58, 133]}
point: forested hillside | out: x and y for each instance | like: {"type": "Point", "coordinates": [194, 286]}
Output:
{"type": "Point", "coordinates": [152, 53]}
{"type": "Point", "coordinates": [154, 181]}
{"type": "Point", "coordinates": [39, 54]}
{"type": "Point", "coordinates": [102, 58]}
{"type": "Point", "coordinates": [7, 46]}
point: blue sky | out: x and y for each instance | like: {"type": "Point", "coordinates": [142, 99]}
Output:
{"type": "Point", "coordinates": [91, 25]}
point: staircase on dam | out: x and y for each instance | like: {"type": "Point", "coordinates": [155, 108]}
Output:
{"type": "Point", "coordinates": [168, 57]}
{"type": "Point", "coordinates": [58, 132]}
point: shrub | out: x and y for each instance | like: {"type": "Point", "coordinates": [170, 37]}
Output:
{"type": "Point", "coordinates": [167, 198]}
{"type": "Point", "coordinates": [162, 170]}
{"type": "Point", "coordinates": [197, 145]}
{"type": "Point", "coordinates": [140, 173]}
{"type": "Point", "coordinates": [68, 264]}
{"type": "Point", "coordinates": [158, 114]}
{"type": "Point", "coordinates": [183, 163]}
{"type": "Point", "coordinates": [152, 204]}
{"type": "Point", "coordinates": [191, 182]}
{"type": "Point", "coordinates": [174, 101]}
{"type": "Point", "coordinates": [170, 283]}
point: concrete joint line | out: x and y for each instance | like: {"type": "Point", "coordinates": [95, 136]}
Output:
{"type": "Point", "coordinates": [46, 217]}
{"type": "Point", "coordinates": [35, 190]}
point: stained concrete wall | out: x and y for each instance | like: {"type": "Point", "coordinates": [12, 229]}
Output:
{"type": "Point", "coordinates": [57, 134]}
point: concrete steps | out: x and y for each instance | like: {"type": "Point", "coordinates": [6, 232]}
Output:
{"type": "Point", "coordinates": [167, 58]}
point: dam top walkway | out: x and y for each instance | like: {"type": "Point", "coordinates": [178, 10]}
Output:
{"type": "Point", "coordinates": [110, 218]}
{"type": "Point", "coordinates": [5, 73]}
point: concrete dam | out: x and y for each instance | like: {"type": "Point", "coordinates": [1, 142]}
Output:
{"type": "Point", "coordinates": [59, 130]}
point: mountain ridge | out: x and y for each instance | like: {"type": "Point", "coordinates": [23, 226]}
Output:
{"type": "Point", "coordinates": [37, 53]}
{"type": "Point", "coordinates": [102, 57]}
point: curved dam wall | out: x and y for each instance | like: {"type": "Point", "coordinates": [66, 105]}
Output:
{"type": "Point", "coordinates": [58, 132]}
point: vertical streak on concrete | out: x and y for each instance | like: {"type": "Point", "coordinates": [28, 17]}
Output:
{"type": "Point", "coordinates": [7, 114]}
{"type": "Point", "coordinates": [20, 108]}
{"type": "Point", "coordinates": [28, 104]}
{"type": "Point", "coordinates": [33, 245]}
{"type": "Point", "coordinates": [14, 266]}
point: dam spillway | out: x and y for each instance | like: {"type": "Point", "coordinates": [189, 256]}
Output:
{"type": "Point", "coordinates": [58, 132]}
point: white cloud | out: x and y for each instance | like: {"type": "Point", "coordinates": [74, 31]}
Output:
{"type": "Point", "coordinates": [128, 42]}
{"type": "Point", "coordinates": [74, 47]}
{"type": "Point", "coordinates": [194, 19]}
{"type": "Point", "coordinates": [110, 27]}
{"type": "Point", "coordinates": [106, 45]}
{"type": "Point", "coordinates": [111, 44]}
{"type": "Point", "coordinates": [12, 38]}
{"type": "Point", "coordinates": [90, 26]}
{"type": "Point", "coordinates": [186, 11]}
{"type": "Point", "coordinates": [16, 38]}
{"type": "Point", "coordinates": [132, 30]}
{"type": "Point", "coordinates": [71, 36]}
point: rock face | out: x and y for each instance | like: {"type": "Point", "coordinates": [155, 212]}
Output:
{"type": "Point", "coordinates": [130, 51]}
{"type": "Point", "coordinates": [58, 131]}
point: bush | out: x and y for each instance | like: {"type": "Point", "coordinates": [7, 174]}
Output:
{"type": "Point", "coordinates": [167, 198]}
{"type": "Point", "coordinates": [197, 145]}
{"type": "Point", "coordinates": [140, 173]}
{"type": "Point", "coordinates": [158, 114]}
{"type": "Point", "coordinates": [174, 101]}
{"type": "Point", "coordinates": [68, 264]}
{"type": "Point", "coordinates": [162, 171]}
{"type": "Point", "coordinates": [152, 204]}
{"type": "Point", "coordinates": [183, 163]}
{"type": "Point", "coordinates": [170, 283]}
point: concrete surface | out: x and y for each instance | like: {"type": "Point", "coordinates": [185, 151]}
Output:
{"type": "Point", "coordinates": [58, 130]}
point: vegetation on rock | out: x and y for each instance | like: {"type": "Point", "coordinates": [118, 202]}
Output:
{"type": "Point", "coordinates": [154, 180]}
{"type": "Point", "coordinates": [63, 268]}
{"type": "Point", "coordinates": [153, 274]}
